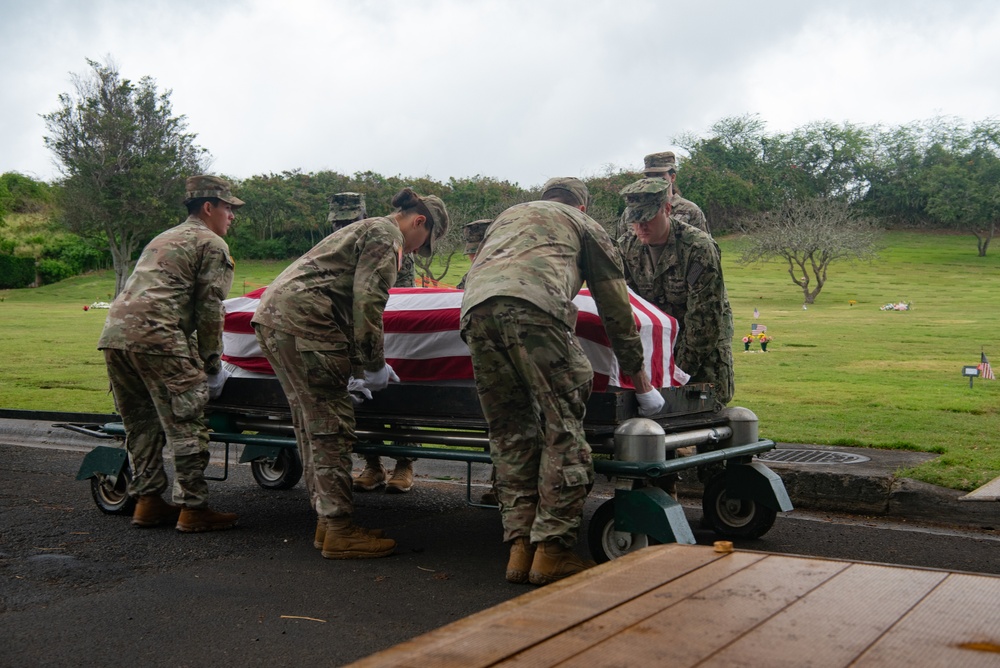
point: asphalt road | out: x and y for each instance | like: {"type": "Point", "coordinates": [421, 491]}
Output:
{"type": "Point", "coordinates": [80, 588]}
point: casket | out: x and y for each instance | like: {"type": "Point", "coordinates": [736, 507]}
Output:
{"type": "Point", "coordinates": [422, 341]}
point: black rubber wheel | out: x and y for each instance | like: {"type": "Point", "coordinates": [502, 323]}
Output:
{"type": "Point", "coordinates": [112, 497]}
{"type": "Point", "coordinates": [281, 472]}
{"type": "Point", "coordinates": [605, 543]}
{"type": "Point", "coordinates": [734, 518]}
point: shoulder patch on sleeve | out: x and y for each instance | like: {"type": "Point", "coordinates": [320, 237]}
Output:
{"type": "Point", "coordinates": [694, 273]}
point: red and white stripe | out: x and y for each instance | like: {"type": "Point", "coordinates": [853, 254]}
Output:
{"type": "Point", "coordinates": [422, 341]}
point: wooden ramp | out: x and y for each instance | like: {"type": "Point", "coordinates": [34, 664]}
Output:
{"type": "Point", "coordinates": [686, 605]}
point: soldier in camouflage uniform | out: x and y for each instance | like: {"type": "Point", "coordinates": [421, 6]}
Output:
{"type": "Point", "coordinates": [679, 269]}
{"type": "Point", "coordinates": [664, 166]}
{"type": "Point", "coordinates": [320, 323]}
{"type": "Point", "coordinates": [472, 234]}
{"type": "Point", "coordinates": [162, 343]}
{"type": "Point", "coordinates": [532, 376]}
{"type": "Point", "coordinates": [347, 208]}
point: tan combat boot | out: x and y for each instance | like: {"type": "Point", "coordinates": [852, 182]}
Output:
{"type": "Point", "coordinates": [152, 511]}
{"type": "Point", "coordinates": [372, 476]}
{"type": "Point", "coordinates": [522, 553]}
{"type": "Point", "coordinates": [196, 520]}
{"type": "Point", "coordinates": [553, 561]}
{"type": "Point", "coordinates": [345, 540]}
{"type": "Point", "coordinates": [402, 478]}
{"type": "Point", "coordinates": [320, 534]}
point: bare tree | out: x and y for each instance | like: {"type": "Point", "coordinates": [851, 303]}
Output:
{"type": "Point", "coordinates": [809, 235]}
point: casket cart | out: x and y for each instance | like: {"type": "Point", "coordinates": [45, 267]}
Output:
{"type": "Point", "coordinates": [437, 408]}
{"type": "Point", "coordinates": [741, 496]}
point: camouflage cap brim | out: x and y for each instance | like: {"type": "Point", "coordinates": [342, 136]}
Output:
{"type": "Point", "coordinates": [641, 214]}
{"type": "Point", "coordinates": [439, 216]}
{"type": "Point", "coordinates": [207, 186]}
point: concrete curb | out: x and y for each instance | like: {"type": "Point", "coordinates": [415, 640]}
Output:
{"type": "Point", "coordinates": [869, 488]}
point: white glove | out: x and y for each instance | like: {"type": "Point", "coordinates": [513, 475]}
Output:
{"type": "Point", "coordinates": [216, 381]}
{"type": "Point", "coordinates": [379, 380]}
{"type": "Point", "coordinates": [356, 388]}
{"type": "Point", "coordinates": [650, 403]}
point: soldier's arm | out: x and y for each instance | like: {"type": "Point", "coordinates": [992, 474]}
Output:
{"type": "Point", "coordinates": [375, 272]}
{"type": "Point", "coordinates": [602, 268]}
{"type": "Point", "coordinates": [215, 277]}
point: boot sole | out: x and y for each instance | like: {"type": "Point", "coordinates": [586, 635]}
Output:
{"type": "Point", "coordinates": [539, 579]}
{"type": "Point", "coordinates": [367, 488]}
{"type": "Point", "coordinates": [201, 528]}
{"type": "Point", "coordinates": [395, 489]}
{"type": "Point", "coordinates": [357, 555]}
{"type": "Point", "coordinates": [517, 577]}
{"type": "Point", "coordinates": [148, 524]}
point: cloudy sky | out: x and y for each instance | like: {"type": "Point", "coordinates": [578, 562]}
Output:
{"type": "Point", "coordinates": [515, 90]}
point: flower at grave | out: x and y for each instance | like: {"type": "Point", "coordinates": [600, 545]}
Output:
{"type": "Point", "coordinates": [764, 338]}
{"type": "Point", "coordinates": [748, 339]}
{"type": "Point", "coordinates": [851, 302]}
{"type": "Point", "coordinates": [897, 306]}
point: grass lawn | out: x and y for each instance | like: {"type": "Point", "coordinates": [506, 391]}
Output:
{"type": "Point", "coordinates": [836, 373]}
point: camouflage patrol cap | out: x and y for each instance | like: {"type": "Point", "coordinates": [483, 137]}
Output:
{"type": "Point", "coordinates": [210, 186]}
{"type": "Point", "coordinates": [573, 186]}
{"type": "Point", "coordinates": [346, 208]}
{"type": "Point", "coordinates": [439, 218]}
{"type": "Point", "coordinates": [660, 163]}
{"type": "Point", "coordinates": [473, 234]}
{"type": "Point", "coordinates": [644, 198]}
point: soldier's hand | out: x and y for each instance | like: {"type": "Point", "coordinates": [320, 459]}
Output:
{"type": "Point", "coordinates": [650, 403]}
{"type": "Point", "coordinates": [216, 381]}
{"type": "Point", "coordinates": [379, 380]}
{"type": "Point", "coordinates": [356, 388]}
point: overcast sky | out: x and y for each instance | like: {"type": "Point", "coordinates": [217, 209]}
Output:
{"type": "Point", "coordinates": [515, 90]}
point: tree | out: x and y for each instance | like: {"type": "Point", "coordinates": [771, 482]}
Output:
{"type": "Point", "coordinates": [728, 173]}
{"type": "Point", "coordinates": [963, 185]}
{"type": "Point", "coordinates": [809, 235]}
{"type": "Point", "coordinates": [124, 157]}
{"type": "Point", "coordinates": [822, 160]}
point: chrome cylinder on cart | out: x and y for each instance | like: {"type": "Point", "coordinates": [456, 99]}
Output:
{"type": "Point", "coordinates": [640, 440]}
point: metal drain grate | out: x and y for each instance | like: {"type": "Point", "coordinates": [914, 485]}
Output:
{"type": "Point", "coordinates": [812, 457]}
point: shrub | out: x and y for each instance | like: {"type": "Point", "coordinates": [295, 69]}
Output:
{"type": "Point", "coordinates": [16, 272]}
{"type": "Point", "coordinates": [53, 271]}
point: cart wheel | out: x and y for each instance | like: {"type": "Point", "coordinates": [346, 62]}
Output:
{"type": "Point", "coordinates": [112, 497]}
{"type": "Point", "coordinates": [605, 543]}
{"type": "Point", "coordinates": [281, 472]}
{"type": "Point", "coordinates": [734, 518]}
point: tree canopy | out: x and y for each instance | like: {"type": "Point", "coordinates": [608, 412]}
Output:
{"type": "Point", "coordinates": [124, 157]}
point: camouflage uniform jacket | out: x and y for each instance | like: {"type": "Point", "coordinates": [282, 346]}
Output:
{"type": "Point", "coordinates": [172, 302]}
{"type": "Point", "coordinates": [686, 283]}
{"type": "Point", "coordinates": [542, 252]}
{"type": "Point", "coordinates": [688, 212]}
{"type": "Point", "coordinates": [337, 291]}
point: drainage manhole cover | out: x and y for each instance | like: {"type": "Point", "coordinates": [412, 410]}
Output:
{"type": "Point", "coordinates": [812, 457]}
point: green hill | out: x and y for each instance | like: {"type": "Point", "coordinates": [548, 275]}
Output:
{"type": "Point", "coordinates": [842, 372]}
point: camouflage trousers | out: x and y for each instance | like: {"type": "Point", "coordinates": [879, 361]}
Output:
{"type": "Point", "coordinates": [533, 381]}
{"type": "Point", "coordinates": [162, 400]}
{"type": "Point", "coordinates": [314, 376]}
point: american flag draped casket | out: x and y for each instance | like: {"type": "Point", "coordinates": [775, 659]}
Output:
{"type": "Point", "coordinates": [422, 341]}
